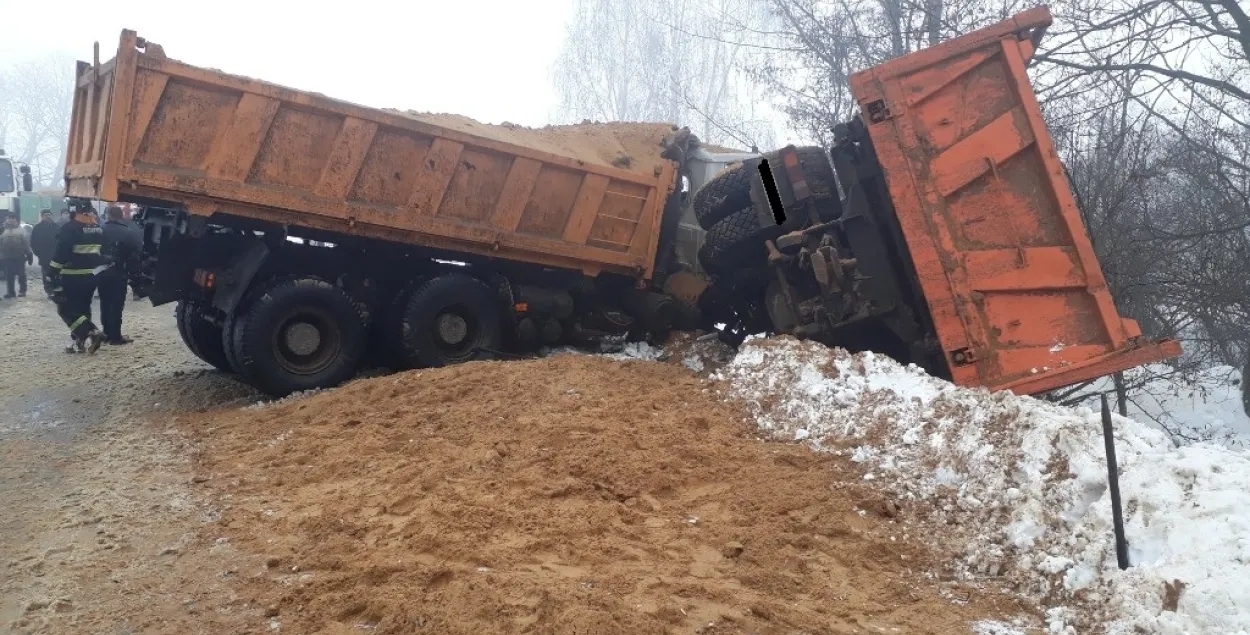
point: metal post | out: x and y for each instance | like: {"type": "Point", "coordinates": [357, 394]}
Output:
{"type": "Point", "coordinates": [1113, 479]}
{"type": "Point", "coordinates": [1121, 394]}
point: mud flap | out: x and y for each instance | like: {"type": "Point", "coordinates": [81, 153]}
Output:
{"type": "Point", "coordinates": [233, 283]}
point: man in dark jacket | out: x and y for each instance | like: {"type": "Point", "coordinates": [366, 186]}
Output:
{"type": "Point", "coordinates": [76, 261]}
{"type": "Point", "coordinates": [122, 245]}
{"type": "Point", "coordinates": [43, 243]}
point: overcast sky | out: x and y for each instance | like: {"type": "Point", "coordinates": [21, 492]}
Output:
{"type": "Point", "coordinates": [487, 59]}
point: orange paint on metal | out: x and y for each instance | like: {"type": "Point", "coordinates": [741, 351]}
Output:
{"type": "Point", "coordinates": [1013, 286]}
{"type": "Point", "coordinates": [145, 126]}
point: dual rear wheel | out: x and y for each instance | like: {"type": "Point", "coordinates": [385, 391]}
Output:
{"type": "Point", "coordinates": [301, 333]}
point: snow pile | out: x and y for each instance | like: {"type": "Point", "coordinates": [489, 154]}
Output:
{"type": "Point", "coordinates": [1203, 407]}
{"type": "Point", "coordinates": [1015, 489]}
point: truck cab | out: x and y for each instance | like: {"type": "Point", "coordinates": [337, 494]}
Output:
{"type": "Point", "coordinates": [14, 179]}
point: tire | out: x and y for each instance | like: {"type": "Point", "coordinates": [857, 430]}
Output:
{"type": "Point", "coordinates": [201, 336]}
{"type": "Point", "coordinates": [289, 315]}
{"type": "Point", "coordinates": [736, 242]}
{"type": "Point", "coordinates": [180, 318]}
{"type": "Point", "coordinates": [730, 190]}
{"type": "Point", "coordinates": [449, 320]}
{"type": "Point", "coordinates": [388, 330]}
{"type": "Point", "coordinates": [727, 192]}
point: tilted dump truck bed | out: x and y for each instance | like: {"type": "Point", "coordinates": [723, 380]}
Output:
{"type": "Point", "coordinates": [1002, 257]}
{"type": "Point", "coordinates": [148, 128]}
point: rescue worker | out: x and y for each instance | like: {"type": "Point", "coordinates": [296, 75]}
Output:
{"type": "Point", "coordinates": [75, 263]}
{"type": "Point", "coordinates": [15, 254]}
{"type": "Point", "coordinates": [122, 245]}
{"type": "Point", "coordinates": [43, 243]}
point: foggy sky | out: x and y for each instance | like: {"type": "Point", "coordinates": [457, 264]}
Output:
{"type": "Point", "coordinates": [487, 59]}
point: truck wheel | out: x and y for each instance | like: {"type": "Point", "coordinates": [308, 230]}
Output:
{"type": "Point", "coordinates": [388, 329]}
{"type": "Point", "coordinates": [736, 242]}
{"type": "Point", "coordinates": [201, 336]}
{"type": "Point", "coordinates": [725, 194]}
{"type": "Point", "coordinates": [298, 334]}
{"type": "Point", "coordinates": [450, 319]}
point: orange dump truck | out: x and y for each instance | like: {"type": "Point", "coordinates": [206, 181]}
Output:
{"type": "Point", "coordinates": [949, 237]}
{"type": "Point", "coordinates": [302, 236]}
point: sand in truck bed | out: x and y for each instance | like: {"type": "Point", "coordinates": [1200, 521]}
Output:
{"type": "Point", "coordinates": [626, 145]}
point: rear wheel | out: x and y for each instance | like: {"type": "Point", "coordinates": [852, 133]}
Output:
{"type": "Point", "coordinates": [388, 330]}
{"type": "Point", "coordinates": [450, 319]}
{"type": "Point", "coordinates": [203, 337]}
{"type": "Point", "coordinates": [298, 334]}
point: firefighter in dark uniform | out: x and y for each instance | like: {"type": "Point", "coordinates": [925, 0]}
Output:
{"type": "Point", "coordinates": [72, 278]}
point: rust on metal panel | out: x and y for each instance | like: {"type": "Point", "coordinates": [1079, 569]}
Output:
{"type": "Point", "coordinates": [88, 125]}
{"type": "Point", "coordinates": [233, 152]}
{"type": "Point", "coordinates": [296, 149]}
{"type": "Point", "coordinates": [100, 128]}
{"type": "Point", "coordinates": [589, 198]}
{"type": "Point", "coordinates": [390, 168]}
{"type": "Point", "coordinates": [346, 157]}
{"type": "Point", "coordinates": [436, 170]}
{"type": "Point", "coordinates": [149, 87]}
{"type": "Point", "coordinates": [642, 239]}
{"type": "Point", "coordinates": [1043, 268]}
{"type": "Point", "coordinates": [551, 202]}
{"type": "Point", "coordinates": [515, 194]}
{"type": "Point", "coordinates": [1068, 211]}
{"type": "Point", "coordinates": [475, 186]}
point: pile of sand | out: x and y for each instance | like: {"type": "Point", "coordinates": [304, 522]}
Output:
{"type": "Point", "coordinates": [572, 494]}
{"type": "Point", "coordinates": [630, 146]}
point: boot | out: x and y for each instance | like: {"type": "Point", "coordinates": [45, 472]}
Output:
{"type": "Point", "coordinates": [94, 340]}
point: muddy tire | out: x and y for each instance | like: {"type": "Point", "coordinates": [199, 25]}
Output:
{"type": "Point", "coordinates": [736, 242]}
{"type": "Point", "coordinates": [727, 192]}
{"type": "Point", "coordinates": [201, 336]}
{"type": "Point", "coordinates": [298, 334]}
{"type": "Point", "coordinates": [448, 320]}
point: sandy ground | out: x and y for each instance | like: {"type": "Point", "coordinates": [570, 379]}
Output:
{"type": "Point", "coordinates": [144, 493]}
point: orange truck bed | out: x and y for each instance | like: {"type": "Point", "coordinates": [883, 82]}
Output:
{"type": "Point", "coordinates": [1001, 254]}
{"type": "Point", "coordinates": [146, 127]}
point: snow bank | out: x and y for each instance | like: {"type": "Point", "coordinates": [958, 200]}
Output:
{"type": "Point", "coordinates": [1014, 489]}
{"type": "Point", "coordinates": [1203, 407]}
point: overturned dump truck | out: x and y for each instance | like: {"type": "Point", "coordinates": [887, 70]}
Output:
{"type": "Point", "coordinates": [939, 229]}
{"type": "Point", "coordinates": [302, 237]}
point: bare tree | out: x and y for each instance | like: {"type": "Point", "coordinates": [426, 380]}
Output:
{"type": "Point", "coordinates": [35, 113]}
{"type": "Point", "coordinates": [678, 61]}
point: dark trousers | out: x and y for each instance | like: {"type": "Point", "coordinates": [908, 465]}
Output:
{"type": "Point", "coordinates": [112, 300]}
{"type": "Point", "coordinates": [45, 270]}
{"type": "Point", "coordinates": [14, 268]}
{"type": "Point", "coordinates": [76, 309]}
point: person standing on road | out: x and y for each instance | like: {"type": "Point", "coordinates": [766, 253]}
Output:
{"type": "Point", "coordinates": [15, 253]}
{"type": "Point", "coordinates": [43, 243]}
{"type": "Point", "coordinates": [75, 263]}
{"type": "Point", "coordinates": [122, 245]}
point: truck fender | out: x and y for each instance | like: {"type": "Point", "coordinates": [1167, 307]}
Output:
{"type": "Point", "coordinates": [233, 283]}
